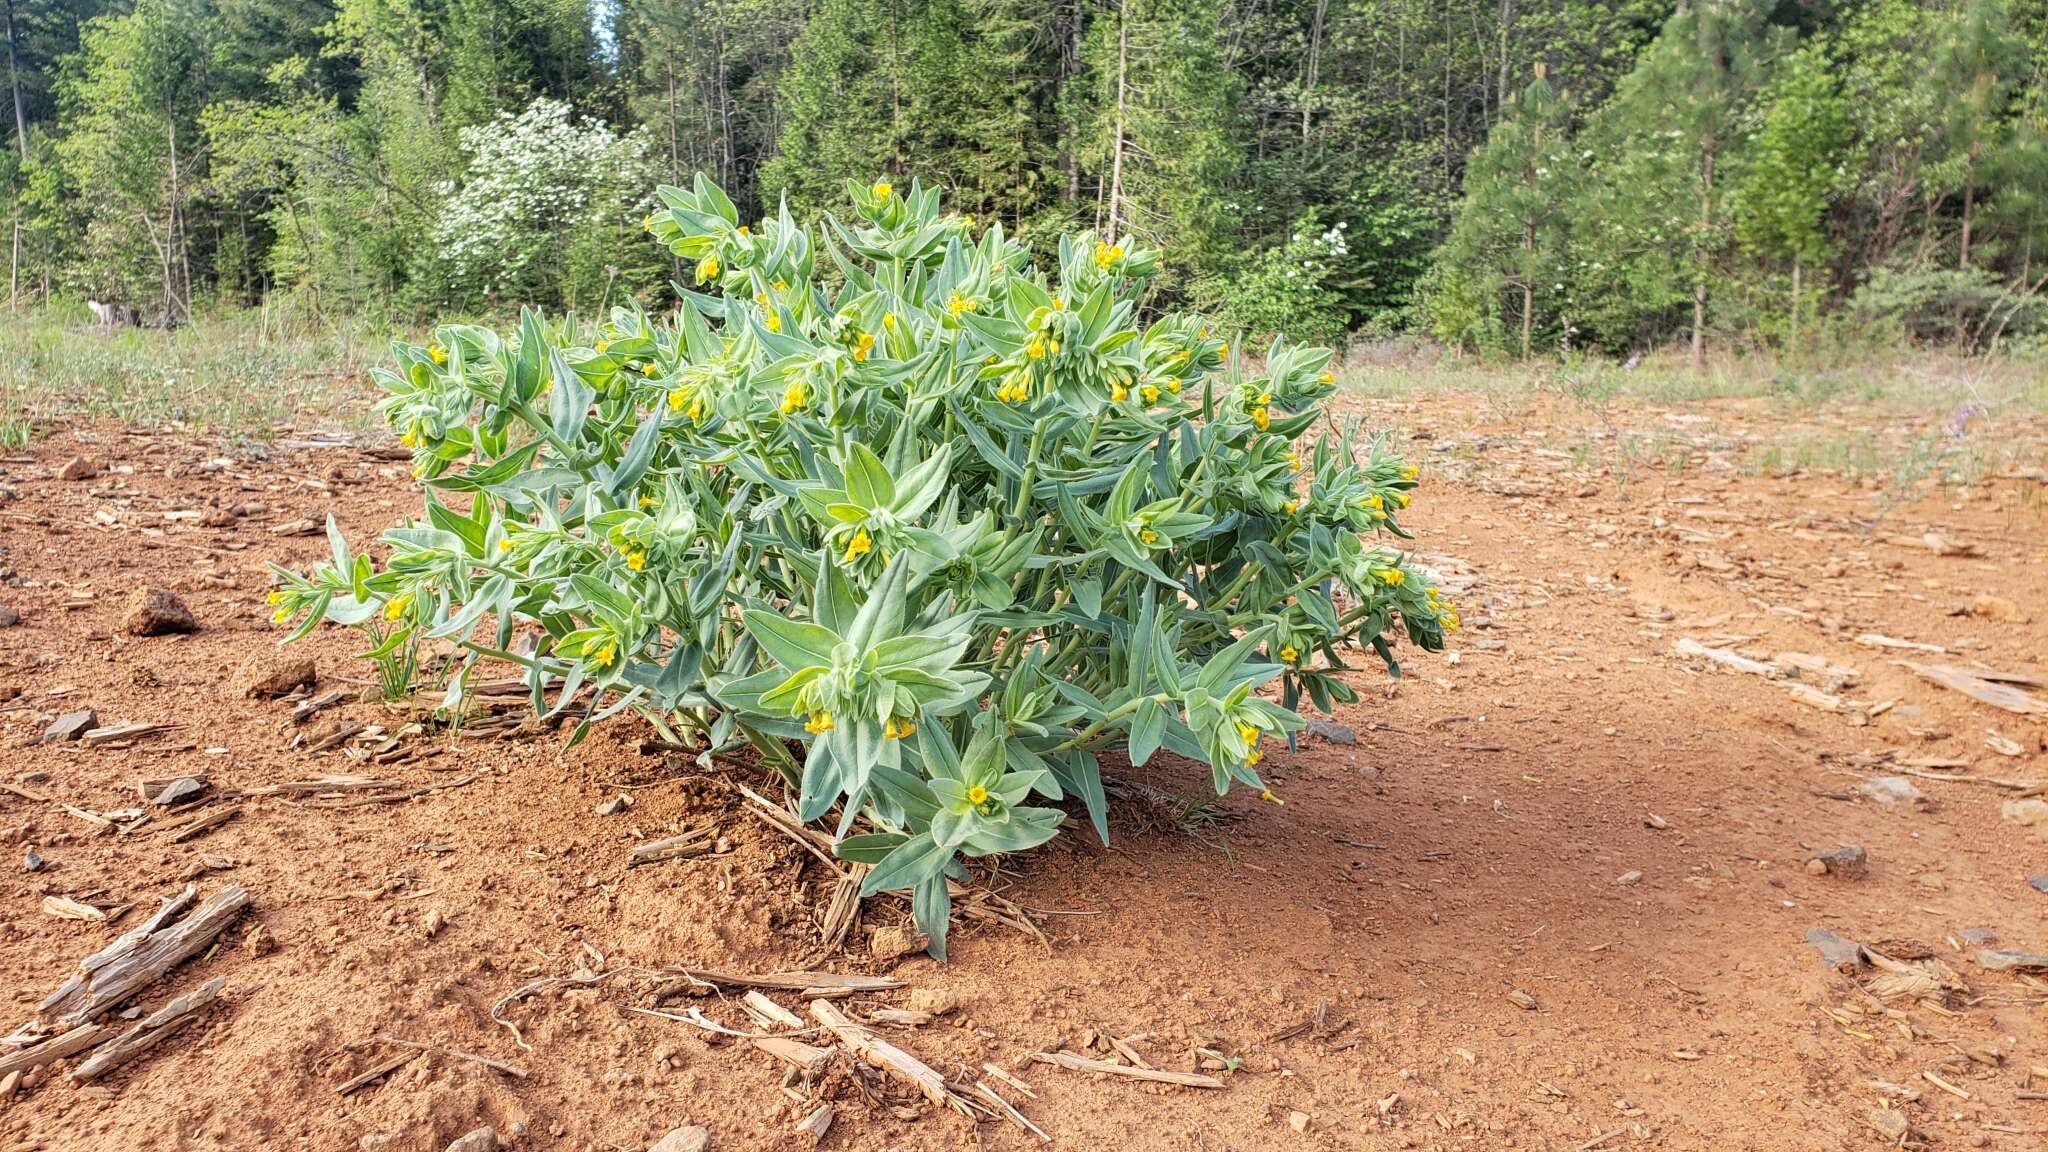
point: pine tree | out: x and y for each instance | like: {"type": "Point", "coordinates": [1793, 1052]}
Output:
{"type": "Point", "coordinates": [842, 104]}
{"type": "Point", "coordinates": [1510, 232]}
{"type": "Point", "coordinates": [1794, 170]}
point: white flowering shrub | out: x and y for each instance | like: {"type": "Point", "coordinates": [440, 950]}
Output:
{"type": "Point", "coordinates": [543, 198]}
{"type": "Point", "coordinates": [929, 528]}
{"type": "Point", "coordinates": [1294, 288]}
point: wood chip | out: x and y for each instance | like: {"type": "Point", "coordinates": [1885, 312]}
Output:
{"type": "Point", "coordinates": [65, 908]}
{"type": "Point", "coordinates": [149, 1033]}
{"type": "Point", "coordinates": [1977, 688]}
{"type": "Point", "coordinates": [886, 1056]}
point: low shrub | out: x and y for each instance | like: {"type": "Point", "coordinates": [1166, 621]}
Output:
{"type": "Point", "coordinates": [929, 527]}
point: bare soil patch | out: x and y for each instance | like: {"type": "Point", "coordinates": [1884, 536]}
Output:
{"type": "Point", "coordinates": [1556, 895]}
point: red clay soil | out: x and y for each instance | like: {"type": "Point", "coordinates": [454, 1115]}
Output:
{"type": "Point", "coordinates": [1555, 896]}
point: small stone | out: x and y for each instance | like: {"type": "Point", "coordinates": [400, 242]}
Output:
{"type": "Point", "coordinates": [2010, 960]}
{"type": "Point", "coordinates": [1629, 878]}
{"type": "Point", "coordinates": [155, 611]}
{"type": "Point", "coordinates": [1299, 1121]}
{"type": "Point", "coordinates": [1889, 790]}
{"type": "Point", "coordinates": [2029, 813]}
{"type": "Point", "coordinates": [433, 922]}
{"type": "Point", "coordinates": [258, 941]}
{"type": "Point", "coordinates": [1890, 1123]}
{"type": "Point", "coordinates": [1656, 821]}
{"type": "Point", "coordinates": [1368, 772]}
{"type": "Point", "coordinates": [268, 675]}
{"type": "Point", "coordinates": [690, 1139]}
{"type": "Point", "coordinates": [1978, 937]}
{"type": "Point", "coordinates": [183, 790]}
{"type": "Point", "coordinates": [31, 861]}
{"type": "Point", "coordinates": [69, 726]}
{"type": "Point", "coordinates": [8, 617]}
{"type": "Point", "coordinates": [932, 1001]}
{"type": "Point", "coordinates": [480, 1140]}
{"type": "Point", "coordinates": [2040, 881]}
{"type": "Point", "coordinates": [1848, 861]}
{"type": "Point", "coordinates": [615, 805]}
{"type": "Point", "coordinates": [1836, 951]}
{"type": "Point", "coordinates": [1522, 1000]}
{"type": "Point", "coordinates": [893, 940]}
{"type": "Point", "coordinates": [1816, 868]}
{"type": "Point", "coordinates": [78, 468]}
{"type": "Point", "coordinates": [1334, 732]}
{"type": "Point", "coordinates": [1931, 881]}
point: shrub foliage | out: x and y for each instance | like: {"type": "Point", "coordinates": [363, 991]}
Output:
{"type": "Point", "coordinates": [929, 527]}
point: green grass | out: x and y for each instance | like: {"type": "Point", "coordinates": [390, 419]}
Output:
{"type": "Point", "coordinates": [245, 373]}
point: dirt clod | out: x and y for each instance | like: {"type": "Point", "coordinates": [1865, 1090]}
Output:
{"type": "Point", "coordinates": [893, 940]}
{"type": "Point", "coordinates": [155, 611]}
{"type": "Point", "coordinates": [268, 675]}
{"type": "Point", "coordinates": [78, 468]}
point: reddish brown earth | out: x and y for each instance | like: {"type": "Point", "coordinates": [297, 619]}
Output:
{"type": "Point", "coordinates": [1467, 847]}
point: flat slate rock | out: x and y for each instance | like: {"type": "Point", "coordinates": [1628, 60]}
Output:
{"type": "Point", "coordinates": [1837, 951]}
{"type": "Point", "coordinates": [2011, 960]}
{"type": "Point", "coordinates": [69, 726]}
{"type": "Point", "coordinates": [183, 790]}
{"type": "Point", "coordinates": [2039, 881]}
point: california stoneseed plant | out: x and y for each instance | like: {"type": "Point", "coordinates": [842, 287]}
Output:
{"type": "Point", "coordinates": [882, 490]}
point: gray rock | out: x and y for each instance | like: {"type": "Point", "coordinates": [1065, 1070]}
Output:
{"type": "Point", "coordinates": [615, 805]}
{"type": "Point", "coordinates": [2040, 881]}
{"type": "Point", "coordinates": [155, 611]}
{"type": "Point", "coordinates": [1836, 951]}
{"type": "Point", "coordinates": [690, 1139]}
{"type": "Point", "coordinates": [183, 790]}
{"type": "Point", "coordinates": [1889, 790]}
{"type": "Point", "coordinates": [8, 617]}
{"type": "Point", "coordinates": [1848, 861]}
{"type": "Point", "coordinates": [1334, 732]}
{"type": "Point", "coordinates": [32, 862]}
{"type": "Point", "coordinates": [2010, 960]}
{"type": "Point", "coordinates": [69, 726]}
{"type": "Point", "coordinates": [1978, 937]}
{"type": "Point", "coordinates": [1629, 879]}
{"type": "Point", "coordinates": [483, 1139]}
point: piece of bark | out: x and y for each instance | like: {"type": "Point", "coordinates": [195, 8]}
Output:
{"type": "Point", "coordinates": [55, 1048]}
{"type": "Point", "coordinates": [889, 1058]}
{"type": "Point", "coordinates": [1076, 1063]}
{"type": "Point", "coordinates": [65, 908]}
{"type": "Point", "coordinates": [812, 1130]}
{"type": "Point", "coordinates": [138, 957]}
{"type": "Point", "coordinates": [203, 822]}
{"type": "Point", "coordinates": [1687, 646]}
{"type": "Point", "coordinates": [810, 1059]}
{"type": "Point", "coordinates": [149, 1033]}
{"type": "Point", "coordinates": [769, 1012]}
{"type": "Point", "coordinates": [1992, 692]}
{"type": "Point", "coordinates": [376, 1072]}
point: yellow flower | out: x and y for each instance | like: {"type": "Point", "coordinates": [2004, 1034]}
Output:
{"type": "Point", "coordinates": [280, 616]}
{"type": "Point", "coordinates": [1447, 615]}
{"type": "Point", "coordinates": [1400, 499]}
{"type": "Point", "coordinates": [1147, 536]}
{"type": "Point", "coordinates": [761, 298]}
{"type": "Point", "coordinates": [1016, 388]}
{"type": "Point", "coordinates": [977, 795]}
{"type": "Point", "coordinates": [647, 221]}
{"type": "Point", "coordinates": [1223, 351]}
{"type": "Point", "coordinates": [636, 560]}
{"type": "Point", "coordinates": [398, 606]}
{"type": "Point", "coordinates": [898, 728]}
{"type": "Point", "coordinates": [1372, 501]}
{"type": "Point", "coordinates": [1149, 393]}
{"type": "Point", "coordinates": [707, 269]}
{"type": "Point", "coordinates": [606, 654]}
{"type": "Point", "coordinates": [1328, 377]}
{"type": "Point", "coordinates": [1249, 733]}
{"type": "Point", "coordinates": [889, 321]}
{"type": "Point", "coordinates": [646, 501]}
{"type": "Point", "coordinates": [603, 344]}
{"type": "Point", "coordinates": [408, 439]}
{"type": "Point", "coordinates": [772, 322]}
{"type": "Point", "coordinates": [744, 231]}
{"type": "Point", "coordinates": [1410, 471]}
{"type": "Point", "coordinates": [819, 722]}
{"type": "Point", "coordinates": [1267, 795]}
{"type": "Point", "coordinates": [1262, 418]}
{"type": "Point", "coordinates": [1059, 303]}
{"type": "Point", "coordinates": [277, 597]}
{"type": "Point", "coordinates": [862, 345]}
{"type": "Point", "coordinates": [1036, 349]}
{"type": "Point", "coordinates": [1293, 458]}
{"type": "Point", "coordinates": [1117, 393]}
{"type": "Point", "coordinates": [649, 370]}
{"type": "Point", "coordinates": [794, 397]}
{"type": "Point", "coordinates": [1291, 507]}
{"type": "Point", "coordinates": [956, 304]}
{"type": "Point", "coordinates": [859, 546]}
{"type": "Point", "coordinates": [780, 285]}
{"type": "Point", "coordinates": [1252, 756]}
{"type": "Point", "coordinates": [1288, 654]}
{"type": "Point", "coordinates": [883, 189]}
{"type": "Point", "coordinates": [1173, 385]}
{"type": "Point", "coordinates": [1055, 345]}
{"type": "Point", "coordinates": [676, 399]}
{"type": "Point", "coordinates": [1392, 577]}
{"type": "Point", "coordinates": [505, 544]}
{"type": "Point", "coordinates": [438, 353]}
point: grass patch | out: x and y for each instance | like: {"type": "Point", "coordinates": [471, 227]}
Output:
{"type": "Point", "coordinates": [243, 373]}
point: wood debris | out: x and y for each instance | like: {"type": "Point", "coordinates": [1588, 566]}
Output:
{"type": "Point", "coordinates": [1078, 1063]}
{"type": "Point", "coordinates": [885, 1056]}
{"type": "Point", "coordinates": [1981, 687]}
{"type": "Point", "coordinates": [149, 1032]}
{"type": "Point", "coordinates": [695, 842]}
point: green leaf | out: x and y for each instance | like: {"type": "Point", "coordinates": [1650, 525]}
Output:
{"type": "Point", "coordinates": [793, 644]}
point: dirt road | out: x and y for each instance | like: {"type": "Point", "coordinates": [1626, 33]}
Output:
{"type": "Point", "coordinates": [1555, 895]}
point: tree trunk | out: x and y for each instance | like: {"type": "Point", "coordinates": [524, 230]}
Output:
{"type": "Point", "coordinates": [14, 78]}
{"type": "Point", "coordinates": [1969, 203]}
{"type": "Point", "coordinates": [1315, 55]}
{"type": "Point", "coordinates": [1699, 283]}
{"type": "Point", "coordinates": [1116, 153]}
{"type": "Point", "coordinates": [675, 149]}
{"type": "Point", "coordinates": [1528, 287]}
{"type": "Point", "coordinates": [1792, 337]}
{"type": "Point", "coordinates": [1507, 21]}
